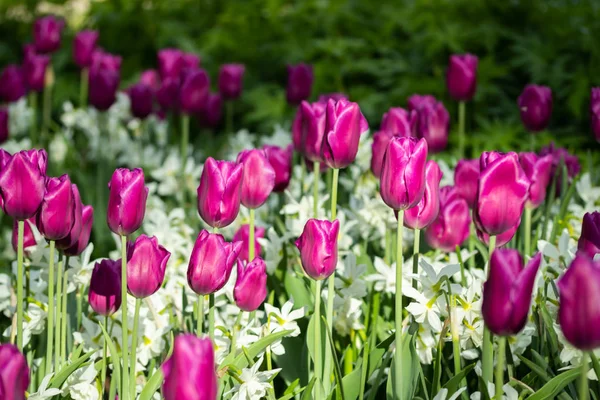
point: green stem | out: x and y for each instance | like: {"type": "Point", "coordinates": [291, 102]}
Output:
{"type": "Point", "coordinates": [59, 279]}
{"type": "Point", "coordinates": [532, 136]}
{"type": "Point", "coordinates": [388, 246]}
{"type": "Point", "coordinates": [317, 349]}
{"type": "Point", "coordinates": [20, 233]}
{"type": "Point", "coordinates": [211, 316]}
{"type": "Point", "coordinates": [63, 318]}
{"type": "Point", "coordinates": [33, 104]}
{"type": "Point", "coordinates": [47, 106]}
{"type": "Point", "coordinates": [416, 245]}
{"type": "Point", "coordinates": [583, 379]}
{"type": "Point", "coordinates": [500, 366]}
{"type": "Point", "coordinates": [251, 237]}
{"type": "Point", "coordinates": [125, 331]}
{"type": "Point", "coordinates": [136, 317]}
{"type": "Point", "coordinates": [185, 138]}
{"type": "Point", "coordinates": [50, 332]}
{"type": "Point", "coordinates": [200, 316]}
{"type": "Point", "coordinates": [229, 112]}
{"type": "Point", "coordinates": [527, 231]}
{"type": "Point", "coordinates": [487, 359]}
{"type": "Point", "coordinates": [234, 333]}
{"type": "Point", "coordinates": [334, 193]}
{"type": "Point", "coordinates": [461, 128]}
{"type": "Point", "coordinates": [456, 340]}
{"type": "Point", "coordinates": [302, 174]}
{"type": "Point", "coordinates": [398, 309]}
{"type": "Point", "coordinates": [83, 88]}
{"type": "Point", "coordinates": [316, 171]}
{"type": "Point", "coordinates": [105, 360]}
{"type": "Point", "coordinates": [472, 238]}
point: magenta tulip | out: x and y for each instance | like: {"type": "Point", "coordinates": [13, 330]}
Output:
{"type": "Point", "coordinates": [28, 235]}
{"type": "Point", "coordinates": [243, 235]}
{"type": "Point", "coordinates": [56, 215]}
{"type": "Point", "coordinates": [560, 156]}
{"type": "Point", "coordinates": [46, 34]}
{"type": "Point", "coordinates": [427, 209]}
{"type": "Point", "coordinates": [535, 105]}
{"type": "Point", "coordinates": [432, 124]}
{"type": "Point", "coordinates": [231, 80]}
{"type": "Point", "coordinates": [537, 169]}
{"type": "Point", "coordinates": [84, 45]}
{"type": "Point", "coordinates": [399, 122]}
{"type": "Point", "coordinates": [4, 126]}
{"type": "Point", "coordinates": [501, 239]}
{"type": "Point", "coordinates": [103, 60]}
{"type": "Point", "coordinates": [318, 248]}
{"type": "Point", "coordinates": [141, 99]}
{"type": "Point", "coordinates": [126, 201]}
{"type": "Point", "coordinates": [105, 287]}
{"type": "Point", "coordinates": [12, 83]}
{"type": "Point", "coordinates": [324, 97]}
{"type": "Point", "coordinates": [213, 110]}
{"type": "Point", "coordinates": [194, 91]}
{"type": "Point", "coordinates": [595, 112]}
{"type": "Point", "coordinates": [151, 78]}
{"type": "Point", "coordinates": [342, 133]}
{"type": "Point", "coordinates": [312, 130]}
{"type": "Point", "coordinates": [34, 68]}
{"type": "Point", "coordinates": [417, 101]}
{"type": "Point", "coordinates": [76, 211]}
{"type": "Point", "coordinates": [103, 85]}
{"type": "Point", "coordinates": [589, 241]}
{"type": "Point", "coordinates": [170, 63]}
{"type": "Point", "coordinates": [220, 192]}
{"type": "Point", "coordinates": [189, 61]}
{"type": "Point", "coordinates": [300, 80]}
{"type": "Point", "coordinates": [146, 266]}
{"type": "Point", "coordinates": [167, 94]}
{"type": "Point", "coordinates": [452, 226]}
{"type": "Point", "coordinates": [14, 373]}
{"type": "Point", "coordinates": [280, 159]}
{"type": "Point", "coordinates": [466, 176]}
{"type": "Point", "coordinates": [259, 177]}
{"type": "Point", "coordinates": [81, 242]}
{"type": "Point", "coordinates": [250, 289]}
{"type": "Point", "coordinates": [461, 76]}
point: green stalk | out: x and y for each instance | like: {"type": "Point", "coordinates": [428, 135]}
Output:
{"type": "Point", "coordinates": [416, 245]}
{"type": "Point", "coordinates": [317, 321]}
{"type": "Point", "coordinates": [50, 333]}
{"type": "Point", "coordinates": [63, 320]}
{"type": "Point", "coordinates": [398, 310]}
{"type": "Point", "coordinates": [388, 246]}
{"type": "Point", "coordinates": [136, 318]}
{"type": "Point", "coordinates": [302, 174]}
{"type": "Point", "coordinates": [456, 341]}
{"type": "Point", "coordinates": [125, 338]}
{"type": "Point", "coordinates": [583, 391]}
{"type": "Point", "coordinates": [500, 367]}
{"type": "Point", "coordinates": [461, 128]}
{"type": "Point", "coordinates": [472, 239]}
{"type": "Point", "coordinates": [316, 170]}
{"type": "Point", "coordinates": [59, 279]}
{"type": "Point", "coordinates": [20, 233]}
{"type": "Point", "coordinates": [229, 111]}
{"type": "Point", "coordinates": [105, 360]}
{"type": "Point", "coordinates": [211, 316]}
{"type": "Point", "coordinates": [487, 359]}
{"type": "Point", "coordinates": [200, 316]}
{"type": "Point", "coordinates": [251, 237]}
{"type": "Point", "coordinates": [185, 138]}
{"type": "Point", "coordinates": [527, 230]}
{"type": "Point", "coordinates": [33, 104]}
{"type": "Point", "coordinates": [83, 87]}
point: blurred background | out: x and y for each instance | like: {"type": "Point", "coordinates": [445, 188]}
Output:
{"type": "Point", "coordinates": [378, 54]}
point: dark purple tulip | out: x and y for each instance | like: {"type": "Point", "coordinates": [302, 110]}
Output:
{"type": "Point", "coordinates": [189, 62]}
{"type": "Point", "coordinates": [243, 235]}
{"type": "Point", "coordinates": [312, 130]}
{"type": "Point", "coordinates": [561, 155]}
{"type": "Point", "coordinates": [170, 63]}
{"type": "Point", "coordinates": [55, 217]}
{"type": "Point", "coordinates": [22, 181]}
{"type": "Point", "coordinates": [417, 101]}
{"type": "Point", "coordinates": [466, 176]}
{"type": "Point", "coordinates": [4, 130]}
{"type": "Point", "coordinates": [538, 171]}
{"type": "Point", "coordinates": [168, 93]}
{"type": "Point", "coordinates": [342, 133]}
{"type": "Point", "coordinates": [12, 83]}
{"type": "Point", "coordinates": [146, 266]}
{"type": "Point", "coordinates": [507, 292]}
{"type": "Point", "coordinates": [297, 130]}
{"type": "Point", "coordinates": [501, 239]}
{"type": "Point", "coordinates": [318, 248]}
{"type": "Point", "coordinates": [213, 110]}
{"type": "Point", "coordinates": [432, 125]}
{"type": "Point", "coordinates": [595, 112]}
{"type": "Point", "coordinates": [452, 226]}
{"type": "Point", "coordinates": [589, 241]}
{"type": "Point", "coordinates": [126, 201]}
{"type": "Point", "coordinates": [14, 373]}
{"type": "Point", "coordinates": [84, 45]}
{"type": "Point", "coordinates": [103, 60]}
{"type": "Point", "coordinates": [220, 192]}
{"type": "Point", "coordinates": [28, 236]}
{"type": "Point", "coordinates": [259, 177]}
{"type": "Point", "coordinates": [502, 192]}
{"type": "Point", "coordinates": [427, 209]}
{"type": "Point", "coordinates": [403, 172]}
{"type": "Point", "coordinates": [381, 139]}
{"type": "Point", "coordinates": [46, 34]}
{"type": "Point", "coordinates": [281, 160]}
{"type": "Point", "coordinates": [535, 104]}
{"type": "Point", "coordinates": [399, 122]}
{"type": "Point", "coordinates": [79, 244]}
{"type": "Point", "coordinates": [105, 287]}
{"type": "Point", "coordinates": [250, 289]}
{"type": "Point", "coordinates": [141, 99]}
{"type": "Point", "coordinates": [34, 68]}
{"type": "Point", "coordinates": [190, 373]}
{"type": "Point", "coordinates": [461, 76]}
{"type": "Point", "coordinates": [231, 80]}
{"type": "Point", "coordinates": [194, 91]}
{"type": "Point", "coordinates": [77, 213]}
{"type": "Point", "coordinates": [150, 78]}
{"type": "Point", "coordinates": [103, 85]}
{"type": "Point", "coordinates": [324, 98]}
{"type": "Point", "coordinates": [300, 80]}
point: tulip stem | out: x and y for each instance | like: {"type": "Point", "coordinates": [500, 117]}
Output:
{"type": "Point", "coordinates": [461, 128]}
{"type": "Point", "coordinates": [388, 246]}
{"type": "Point", "coordinates": [472, 238]}
{"type": "Point", "coordinates": [527, 231]}
{"type": "Point", "coordinates": [125, 331]}
{"type": "Point", "coordinates": [416, 245]}
{"type": "Point", "coordinates": [500, 366]}
{"type": "Point", "coordinates": [583, 379]}
{"type": "Point", "coordinates": [251, 237]}
{"type": "Point", "coordinates": [59, 279]}
{"type": "Point", "coordinates": [316, 170]}
{"type": "Point", "coordinates": [33, 105]}
{"type": "Point", "coordinates": [211, 316]}
{"type": "Point", "coordinates": [398, 309]}
{"type": "Point", "coordinates": [20, 233]}
{"type": "Point", "coordinates": [185, 138]}
{"type": "Point", "coordinates": [454, 323]}
{"type": "Point", "coordinates": [229, 112]}
{"type": "Point", "coordinates": [136, 318]}
{"type": "Point", "coordinates": [104, 360]}
{"type": "Point", "coordinates": [50, 333]}
{"type": "Point", "coordinates": [487, 358]}
{"type": "Point", "coordinates": [200, 316]}
{"type": "Point", "coordinates": [317, 342]}
{"type": "Point", "coordinates": [83, 87]}
{"type": "Point", "coordinates": [63, 344]}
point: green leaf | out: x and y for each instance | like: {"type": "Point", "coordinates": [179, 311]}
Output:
{"type": "Point", "coordinates": [410, 370]}
{"type": "Point", "coordinates": [292, 387]}
{"type": "Point", "coordinates": [257, 347]}
{"type": "Point", "coordinates": [114, 355]}
{"type": "Point", "coordinates": [540, 372]}
{"type": "Point", "coordinates": [152, 385]}
{"type": "Point", "coordinates": [310, 342]}
{"type": "Point", "coordinates": [295, 286]}
{"type": "Point", "coordinates": [454, 384]}
{"type": "Point", "coordinates": [339, 392]}
{"type": "Point", "coordinates": [308, 390]}
{"type": "Point", "coordinates": [59, 378]}
{"type": "Point", "coordinates": [555, 385]}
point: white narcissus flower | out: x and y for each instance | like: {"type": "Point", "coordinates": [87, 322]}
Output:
{"type": "Point", "coordinates": [349, 277]}
{"type": "Point", "coordinates": [273, 246]}
{"type": "Point", "coordinates": [19, 117]}
{"type": "Point", "coordinates": [558, 258]}
{"type": "Point", "coordinates": [348, 313]}
{"type": "Point", "coordinates": [423, 309]}
{"type": "Point", "coordinates": [43, 393]}
{"type": "Point", "coordinates": [5, 290]}
{"type": "Point", "coordinates": [284, 319]}
{"type": "Point", "coordinates": [255, 383]}
{"type": "Point", "coordinates": [241, 140]}
{"type": "Point", "coordinates": [81, 384]}
{"type": "Point", "coordinates": [297, 213]}
{"type": "Point", "coordinates": [91, 336]}
{"type": "Point", "coordinates": [510, 393]}
{"type": "Point", "coordinates": [280, 137]}
{"type": "Point", "coordinates": [385, 277]}
{"type": "Point", "coordinates": [35, 323]}
{"type": "Point", "coordinates": [443, 394]}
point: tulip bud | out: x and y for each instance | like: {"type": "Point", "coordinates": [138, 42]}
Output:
{"type": "Point", "coordinates": [595, 112]}
{"type": "Point", "coordinates": [126, 201]}
{"type": "Point", "coordinates": [535, 104]}
{"type": "Point", "coordinates": [230, 80]}
{"type": "Point", "coordinates": [84, 45]}
{"type": "Point", "coordinates": [28, 235]}
{"type": "Point", "coordinates": [324, 98]}
{"type": "Point", "coordinates": [146, 265]}
{"type": "Point", "coordinates": [141, 99]}
{"type": "Point", "coordinates": [399, 122]}
{"type": "Point", "coordinates": [55, 217]}
{"type": "Point", "coordinates": [312, 130]}
{"type": "Point", "coordinates": [417, 101]}
{"type": "Point", "coordinates": [213, 110]}
{"type": "Point", "coordinates": [189, 62]}
{"type": "Point", "coordinates": [211, 262]}
{"type": "Point", "coordinates": [501, 239]}
{"type": "Point", "coordinates": [537, 169]}
{"type": "Point", "coordinates": [194, 91]}
{"type": "Point", "coordinates": [76, 211]}
{"type": "Point", "coordinates": [452, 226]}
{"type": "Point", "coordinates": [190, 371]}
{"type": "Point", "coordinates": [403, 172]}
{"type": "Point", "coordinates": [507, 292]}
{"type": "Point", "coordinates": [168, 93]}
{"type": "Point", "coordinates": [46, 34]}
{"type": "Point", "coordinates": [318, 248]}
{"type": "Point", "coordinates": [461, 76]}
{"type": "Point", "coordinates": [501, 194]}
{"type": "Point", "coordinates": [105, 61]}
{"type": "Point", "coordinates": [243, 236]}
{"type": "Point", "coordinates": [433, 120]}
{"type": "Point", "coordinates": [170, 63]}
{"type": "Point", "coordinates": [578, 312]}
{"type": "Point", "coordinates": [259, 177]}
{"type": "Point", "coordinates": [281, 160]}
{"type": "Point", "coordinates": [150, 78]}
{"type": "Point", "coordinates": [79, 245]}
{"type": "Point", "coordinates": [589, 241]}
{"type": "Point", "coordinates": [343, 128]}
{"type": "Point", "coordinates": [14, 373]}
{"type": "Point", "coordinates": [251, 285]}
{"type": "Point", "coordinates": [561, 156]}
{"type": "Point", "coordinates": [34, 69]}
{"type": "Point", "coordinates": [220, 191]}
{"type": "Point", "coordinates": [300, 80]}
{"type": "Point", "coordinates": [22, 182]}
{"type": "Point", "coordinates": [427, 209]}
{"type": "Point", "coordinates": [12, 83]}
{"type": "Point", "coordinates": [105, 287]}
{"type": "Point", "coordinates": [4, 130]}
{"type": "Point", "coordinates": [381, 139]}
{"type": "Point", "coordinates": [103, 85]}
{"type": "Point", "coordinates": [466, 176]}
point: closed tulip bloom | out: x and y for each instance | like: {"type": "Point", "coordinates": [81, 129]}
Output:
{"type": "Point", "coordinates": [22, 183]}
{"type": "Point", "coordinates": [507, 292]}
{"type": "Point", "coordinates": [220, 192]}
{"type": "Point", "coordinates": [14, 373]}
{"type": "Point", "coordinates": [538, 170]}
{"type": "Point", "coordinates": [280, 159]}
{"type": "Point", "coordinates": [324, 98]}
{"type": "Point", "coordinates": [76, 211]}
{"type": "Point", "coordinates": [34, 68]}
{"type": "Point", "coordinates": [194, 91]}
{"type": "Point", "coordinates": [170, 63]}
{"type": "Point", "coordinates": [501, 239]}
{"type": "Point", "coordinates": [259, 177]}
{"type": "Point", "coordinates": [4, 130]}
{"type": "Point", "coordinates": [103, 85]}
{"type": "Point", "coordinates": [561, 155]}
{"type": "Point", "coordinates": [342, 133]}
{"type": "Point", "coordinates": [28, 235]}
{"type": "Point", "coordinates": [168, 93]}
{"type": "Point", "coordinates": [381, 139]}
{"type": "Point", "coordinates": [426, 210]}
{"type": "Point", "coordinates": [46, 34]}
{"type": "Point", "coordinates": [231, 80]}
{"type": "Point", "coordinates": [211, 262]}
{"type": "Point", "coordinates": [81, 242]}
{"type": "Point", "coordinates": [451, 227]}
{"type": "Point", "coordinates": [243, 235]}
{"type": "Point", "coordinates": [12, 83]}
{"type": "Point", "coordinates": [535, 104]}
{"type": "Point", "coordinates": [595, 112]}
{"type": "Point", "coordinates": [318, 248]}
{"type": "Point", "coordinates": [400, 122]}
{"type": "Point", "coordinates": [466, 176]}
{"type": "Point", "coordinates": [416, 101]}
{"type": "Point", "coordinates": [142, 100]}
{"type": "Point", "coordinates": [84, 45]}
{"type": "Point", "coordinates": [250, 289]}
{"type": "Point", "coordinates": [126, 201]}
{"type": "Point", "coordinates": [150, 78]}
{"type": "Point", "coordinates": [433, 121]}
{"type": "Point", "coordinates": [403, 172]}
{"type": "Point", "coordinates": [55, 217]}
{"type": "Point", "coordinates": [502, 192]}
{"type": "Point", "coordinates": [312, 130]}
{"type": "Point", "coordinates": [103, 60]}
{"type": "Point", "coordinates": [461, 76]}
{"type": "Point", "coordinates": [189, 61]}
{"type": "Point", "coordinates": [105, 287]}
{"type": "Point", "coordinates": [213, 110]}
{"type": "Point", "coordinates": [300, 80]}
{"type": "Point", "coordinates": [190, 372]}
{"type": "Point", "coordinates": [589, 241]}
{"type": "Point", "coordinates": [146, 265]}
{"type": "Point", "coordinates": [578, 312]}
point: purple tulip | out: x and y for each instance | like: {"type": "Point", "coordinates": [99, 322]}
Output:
{"type": "Point", "coordinates": [417, 101]}
{"type": "Point", "coordinates": [243, 235]}
{"type": "Point", "coordinates": [46, 34]}
{"type": "Point", "coordinates": [578, 312]}
{"type": "Point", "coordinates": [168, 93]}
{"type": "Point", "coordinates": [146, 265]}
{"type": "Point", "coordinates": [589, 241]}
{"type": "Point", "coordinates": [452, 226]}
{"type": "Point", "coordinates": [259, 177]}
{"type": "Point", "coordinates": [501, 194]}
{"type": "Point", "coordinates": [399, 122]}
{"type": "Point", "coordinates": [312, 130]}
{"type": "Point", "coordinates": [220, 192]}
{"type": "Point", "coordinates": [126, 201]}
{"type": "Point", "coordinates": [28, 235]}
{"type": "Point", "coordinates": [318, 248]}
{"type": "Point", "coordinates": [324, 98]}
{"type": "Point", "coordinates": [105, 287]}
{"type": "Point", "coordinates": [4, 127]}
{"type": "Point", "coordinates": [12, 83]}
{"type": "Point", "coordinates": [103, 85]}
{"type": "Point", "coordinates": [189, 62]}
{"type": "Point", "coordinates": [507, 292]}
{"type": "Point", "coordinates": [80, 243]}
{"type": "Point", "coordinates": [103, 60]}
{"type": "Point", "coordinates": [170, 63]}
{"type": "Point", "coordinates": [34, 68]}
{"type": "Point", "coordinates": [595, 112]}
{"type": "Point", "coordinates": [190, 371]}
{"type": "Point", "coordinates": [213, 110]}
{"type": "Point", "coordinates": [211, 262]}
{"type": "Point", "coordinates": [403, 172]}
{"type": "Point", "coordinates": [141, 99]}
{"type": "Point", "coordinates": [342, 133]}
{"type": "Point", "coordinates": [461, 76]}
{"type": "Point", "coordinates": [561, 155]}
{"type": "Point", "coordinates": [76, 211]}
{"type": "Point", "coordinates": [535, 104]}
{"type": "Point", "coordinates": [231, 80]}
{"type": "Point", "coordinates": [151, 78]}
{"type": "Point", "coordinates": [466, 176]}
{"type": "Point", "coordinates": [427, 209]}
{"type": "Point", "coordinates": [432, 124]}
{"type": "Point", "coordinates": [538, 170]}
{"type": "Point", "coordinates": [55, 217]}
{"type": "Point", "coordinates": [501, 239]}
{"type": "Point", "coordinates": [84, 45]}
{"type": "Point", "coordinates": [22, 182]}
{"type": "Point", "coordinates": [281, 160]}
{"type": "Point", "coordinates": [14, 373]}
{"type": "Point", "coordinates": [194, 91]}
{"type": "Point", "coordinates": [250, 289]}
{"type": "Point", "coordinates": [300, 80]}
